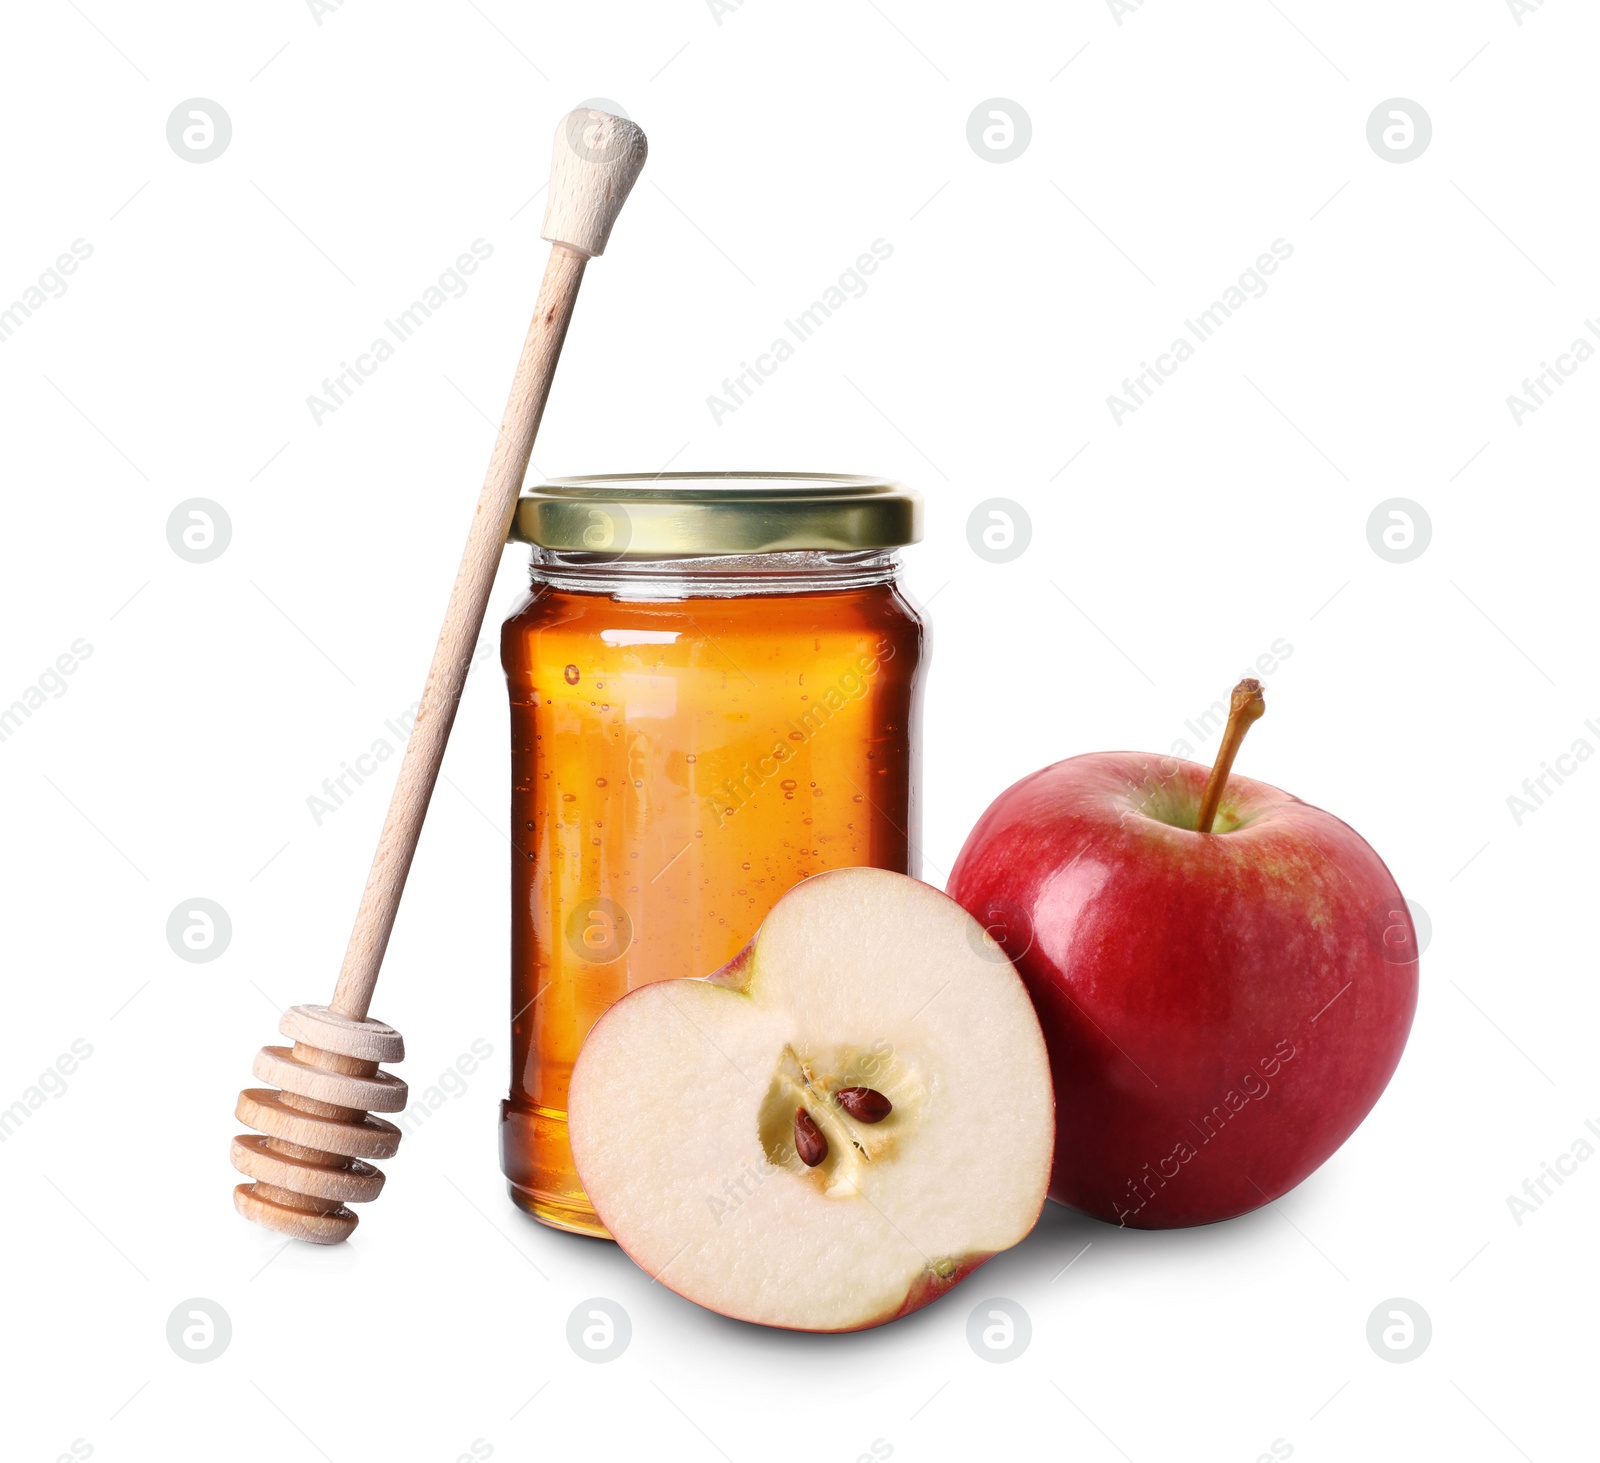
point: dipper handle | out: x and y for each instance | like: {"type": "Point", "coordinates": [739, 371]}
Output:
{"type": "Point", "coordinates": [596, 160]}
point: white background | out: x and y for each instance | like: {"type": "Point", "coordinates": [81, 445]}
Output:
{"type": "Point", "coordinates": [1168, 151]}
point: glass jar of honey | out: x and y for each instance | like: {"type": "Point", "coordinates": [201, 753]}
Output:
{"type": "Point", "coordinates": [715, 692]}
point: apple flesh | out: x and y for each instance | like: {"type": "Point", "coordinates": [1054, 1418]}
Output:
{"type": "Point", "coordinates": [1222, 1009]}
{"type": "Point", "coordinates": [834, 1129]}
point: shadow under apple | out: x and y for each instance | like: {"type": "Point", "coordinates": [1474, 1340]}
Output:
{"type": "Point", "coordinates": [1034, 1272]}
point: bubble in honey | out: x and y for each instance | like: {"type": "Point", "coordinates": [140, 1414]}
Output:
{"type": "Point", "coordinates": [742, 866]}
{"type": "Point", "coordinates": [599, 782]}
{"type": "Point", "coordinates": [571, 673]}
{"type": "Point", "coordinates": [569, 797]}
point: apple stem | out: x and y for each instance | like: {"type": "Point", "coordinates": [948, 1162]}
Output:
{"type": "Point", "coordinates": [1246, 706]}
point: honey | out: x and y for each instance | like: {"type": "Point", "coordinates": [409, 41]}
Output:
{"type": "Point", "coordinates": [690, 737]}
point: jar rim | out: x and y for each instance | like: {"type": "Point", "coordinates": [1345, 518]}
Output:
{"type": "Point", "coordinates": [664, 578]}
{"type": "Point", "coordinates": [667, 514]}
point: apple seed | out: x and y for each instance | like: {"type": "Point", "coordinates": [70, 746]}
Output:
{"type": "Point", "coordinates": [808, 1140]}
{"type": "Point", "coordinates": [864, 1104]}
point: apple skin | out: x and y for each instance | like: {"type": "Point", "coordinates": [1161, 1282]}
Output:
{"type": "Point", "coordinates": [1221, 1010]}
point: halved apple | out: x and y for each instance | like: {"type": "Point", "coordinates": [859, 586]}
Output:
{"type": "Point", "coordinates": [830, 1132]}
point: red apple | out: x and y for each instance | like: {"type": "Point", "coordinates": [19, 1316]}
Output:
{"type": "Point", "coordinates": [1221, 1008]}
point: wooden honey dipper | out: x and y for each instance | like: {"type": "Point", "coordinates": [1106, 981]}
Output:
{"type": "Point", "coordinates": [319, 1129]}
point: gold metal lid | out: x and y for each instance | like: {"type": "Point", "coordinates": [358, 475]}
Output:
{"type": "Point", "coordinates": [702, 513]}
